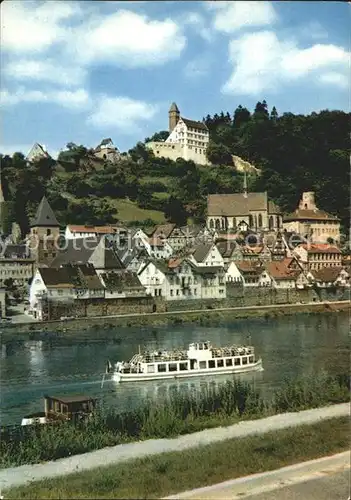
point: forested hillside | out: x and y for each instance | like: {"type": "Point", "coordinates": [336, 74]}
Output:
{"type": "Point", "coordinates": [294, 152]}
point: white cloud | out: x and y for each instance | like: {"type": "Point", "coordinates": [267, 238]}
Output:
{"type": "Point", "coordinates": [129, 39]}
{"type": "Point", "coordinates": [32, 27]}
{"type": "Point", "coordinates": [337, 79]}
{"type": "Point", "coordinates": [262, 62]}
{"type": "Point", "coordinates": [122, 113]}
{"type": "Point", "coordinates": [233, 16]}
{"type": "Point", "coordinates": [75, 100]}
{"type": "Point", "coordinates": [45, 70]}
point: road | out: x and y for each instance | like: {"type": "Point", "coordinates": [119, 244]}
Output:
{"type": "Point", "coordinates": [116, 454]}
{"type": "Point", "coordinates": [326, 478]}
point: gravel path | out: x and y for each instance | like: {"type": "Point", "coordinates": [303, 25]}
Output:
{"type": "Point", "coordinates": [20, 475]}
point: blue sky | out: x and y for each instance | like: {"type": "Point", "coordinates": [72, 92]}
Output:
{"type": "Point", "coordinates": [83, 71]}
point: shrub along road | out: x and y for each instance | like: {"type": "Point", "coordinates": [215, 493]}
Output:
{"type": "Point", "coordinates": [116, 454]}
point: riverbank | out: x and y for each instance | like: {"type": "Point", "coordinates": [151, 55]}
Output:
{"type": "Point", "coordinates": [150, 470]}
{"type": "Point", "coordinates": [211, 407]}
{"type": "Point", "coordinates": [82, 327]}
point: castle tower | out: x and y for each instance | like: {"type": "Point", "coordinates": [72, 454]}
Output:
{"type": "Point", "coordinates": [307, 201]}
{"type": "Point", "coordinates": [174, 116]}
{"type": "Point", "coordinates": [44, 234]}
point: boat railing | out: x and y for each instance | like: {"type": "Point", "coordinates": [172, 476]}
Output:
{"type": "Point", "coordinates": [223, 352]}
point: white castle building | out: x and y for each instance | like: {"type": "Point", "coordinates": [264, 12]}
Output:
{"type": "Point", "coordinates": [188, 139]}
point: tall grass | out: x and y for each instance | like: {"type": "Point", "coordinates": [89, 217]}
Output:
{"type": "Point", "coordinates": [178, 414]}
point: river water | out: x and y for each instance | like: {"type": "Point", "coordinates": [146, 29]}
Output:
{"type": "Point", "coordinates": [289, 346]}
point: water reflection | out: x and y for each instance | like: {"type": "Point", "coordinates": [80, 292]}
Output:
{"type": "Point", "coordinates": [289, 346]}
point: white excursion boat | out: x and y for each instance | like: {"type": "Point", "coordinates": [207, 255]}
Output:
{"type": "Point", "coordinates": [200, 359]}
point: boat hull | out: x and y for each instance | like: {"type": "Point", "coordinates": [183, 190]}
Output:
{"type": "Point", "coordinates": [138, 377]}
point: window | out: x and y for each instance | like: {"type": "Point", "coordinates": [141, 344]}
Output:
{"type": "Point", "coordinates": [183, 366]}
{"type": "Point", "coordinates": [161, 368]}
{"type": "Point", "coordinates": [171, 293]}
{"type": "Point", "coordinates": [220, 363]}
{"type": "Point", "coordinates": [172, 367]}
{"type": "Point", "coordinates": [211, 363]}
{"type": "Point", "coordinates": [228, 362]}
{"type": "Point", "coordinates": [237, 362]}
{"type": "Point", "coordinates": [251, 359]}
{"type": "Point", "coordinates": [151, 369]}
{"type": "Point", "coordinates": [245, 360]}
{"type": "Point", "coordinates": [48, 232]}
{"type": "Point", "coordinates": [202, 365]}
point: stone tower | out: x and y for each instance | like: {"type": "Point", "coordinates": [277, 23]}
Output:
{"type": "Point", "coordinates": [174, 116]}
{"type": "Point", "coordinates": [44, 235]}
{"type": "Point", "coordinates": [307, 201]}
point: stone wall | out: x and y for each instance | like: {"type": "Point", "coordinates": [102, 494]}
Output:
{"type": "Point", "coordinates": [102, 307]}
{"type": "Point", "coordinates": [237, 296]}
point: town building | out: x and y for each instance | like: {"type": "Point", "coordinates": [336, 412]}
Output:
{"type": "Point", "coordinates": [97, 251]}
{"type": "Point", "coordinates": [280, 274]}
{"type": "Point", "coordinates": [16, 266]}
{"type": "Point", "coordinates": [312, 223]}
{"type": "Point", "coordinates": [44, 235]}
{"type": "Point", "coordinates": [250, 272]}
{"type": "Point", "coordinates": [64, 284]}
{"type": "Point", "coordinates": [172, 234]}
{"type": "Point", "coordinates": [37, 152]}
{"type": "Point", "coordinates": [315, 256]}
{"type": "Point", "coordinates": [331, 276]}
{"type": "Point", "coordinates": [243, 211]}
{"type": "Point", "coordinates": [2, 302]}
{"type": "Point", "coordinates": [188, 139]}
{"type": "Point", "coordinates": [106, 150]}
{"type": "Point", "coordinates": [180, 279]}
{"type": "Point", "coordinates": [122, 285]}
{"type": "Point", "coordinates": [206, 255]}
{"type": "Point", "coordinates": [74, 231]}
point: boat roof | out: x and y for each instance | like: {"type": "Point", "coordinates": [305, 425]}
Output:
{"type": "Point", "coordinates": [71, 399]}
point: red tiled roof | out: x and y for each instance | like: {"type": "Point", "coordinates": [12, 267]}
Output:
{"type": "Point", "coordinates": [92, 229]}
{"type": "Point", "coordinates": [249, 266]}
{"type": "Point", "coordinates": [327, 274]}
{"type": "Point", "coordinates": [321, 248]}
{"type": "Point", "coordinates": [304, 214]}
{"type": "Point", "coordinates": [279, 271]}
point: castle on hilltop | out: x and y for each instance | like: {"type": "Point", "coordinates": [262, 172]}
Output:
{"type": "Point", "coordinates": [188, 139]}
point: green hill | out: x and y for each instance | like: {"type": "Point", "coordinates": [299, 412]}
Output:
{"type": "Point", "coordinates": [294, 153]}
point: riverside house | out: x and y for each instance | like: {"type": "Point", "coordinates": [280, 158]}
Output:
{"type": "Point", "coordinates": [64, 284]}
{"type": "Point", "coordinates": [278, 274]}
{"type": "Point", "coordinates": [122, 285]}
{"type": "Point", "coordinates": [172, 234]}
{"type": "Point", "coordinates": [250, 271]}
{"type": "Point", "coordinates": [331, 276]}
{"type": "Point", "coordinates": [180, 279]}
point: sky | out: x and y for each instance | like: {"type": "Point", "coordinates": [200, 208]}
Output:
{"type": "Point", "coordinates": [83, 71]}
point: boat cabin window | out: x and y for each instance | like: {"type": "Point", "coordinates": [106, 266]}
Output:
{"type": "Point", "coordinates": [172, 367]}
{"type": "Point", "coordinates": [220, 363]}
{"type": "Point", "coordinates": [151, 369]}
{"type": "Point", "coordinates": [228, 362]}
{"type": "Point", "coordinates": [251, 359]}
{"type": "Point", "coordinates": [211, 363]}
{"type": "Point", "coordinates": [161, 367]}
{"type": "Point", "coordinates": [183, 366]}
{"type": "Point", "coordinates": [202, 364]}
{"type": "Point", "coordinates": [236, 361]}
{"type": "Point", "coordinates": [205, 345]}
{"type": "Point", "coordinates": [245, 360]}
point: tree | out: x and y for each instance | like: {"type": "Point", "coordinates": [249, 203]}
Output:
{"type": "Point", "coordinates": [158, 136]}
{"type": "Point", "coordinates": [274, 114]}
{"type": "Point", "coordinates": [219, 154]}
{"type": "Point", "coordinates": [261, 111]}
{"type": "Point", "coordinates": [175, 212]}
{"type": "Point", "coordinates": [241, 116]}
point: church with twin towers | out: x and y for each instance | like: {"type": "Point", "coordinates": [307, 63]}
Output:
{"type": "Point", "coordinates": [188, 139]}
